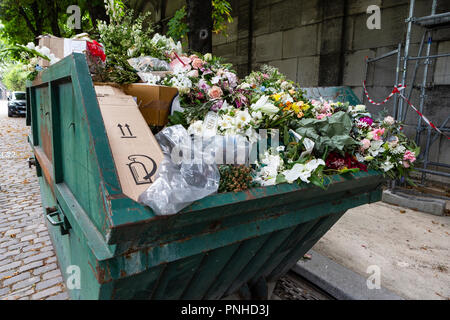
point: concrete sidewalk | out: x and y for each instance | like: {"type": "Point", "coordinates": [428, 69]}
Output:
{"type": "Point", "coordinates": [412, 249]}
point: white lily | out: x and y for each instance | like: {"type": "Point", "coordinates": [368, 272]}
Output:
{"type": "Point", "coordinates": [264, 106]}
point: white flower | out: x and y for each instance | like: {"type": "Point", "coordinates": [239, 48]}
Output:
{"type": "Point", "coordinates": [31, 45]}
{"type": "Point", "coordinates": [226, 122]}
{"type": "Point", "coordinates": [389, 120]}
{"type": "Point", "coordinates": [302, 171]}
{"type": "Point", "coordinates": [286, 85]}
{"type": "Point", "coordinates": [207, 57]}
{"type": "Point", "coordinates": [244, 116]}
{"type": "Point", "coordinates": [257, 115]}
{"type": "Point", "coordinates": [376, 147]}
{"type": "Point", "coordinates": [359, 157]}
{"type": "Point", "coordinates": [281, 148]}
{"type": "Point", "coordinates": [196, 128]}
{"type": "Point", "coordinates": [314, 164]}
{"type": "Point", "coordinates": [398, 150]}
{"type": "Point", "coordinates": [216, 80]}
{"type": "Point", "coordinates": [252, 135]}
{"type": "Point", "coordinates": [44, 50]}
{"type": "Point", "coordinates": [387, 165]}
{"type": "Point", "coordinates": [264, 106]}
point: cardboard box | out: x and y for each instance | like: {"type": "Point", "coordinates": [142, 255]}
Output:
{"type": "Point", "coordinates": [60, 47]}
{"type": "Point", "coordinates": [135, 150]}
{"type": "Point", "coordinates": [153, 101]}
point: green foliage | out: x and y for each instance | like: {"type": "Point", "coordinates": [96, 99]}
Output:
{"type": "Point", "coordinates": [221, 15]}
{"type": "Point", "coordinates": [178, 27]}
{"type": "Point", "coordinates": [126, 37]}
{"type": "Point", "coordinates": [15, 77]}
{"type": "Point", "coordinates": [332, 132]}
{"type": "Point", "coordinates": [178, 118]}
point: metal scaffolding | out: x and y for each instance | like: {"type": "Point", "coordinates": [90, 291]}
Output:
{"type": "Point", "coordinates": [429, 24]}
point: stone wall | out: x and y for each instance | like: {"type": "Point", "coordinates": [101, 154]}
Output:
{"type": "Point", "coordinates": [325, 42]}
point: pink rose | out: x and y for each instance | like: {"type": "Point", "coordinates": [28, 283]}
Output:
{"type": "Point", "coordinates": [409, 156]}
{"type": "Point", "coordinates": [406, 164]}
{"type": "Point", "coordinates": [215, 92]}
{"type": "Point", "coordinates": [365, 144]}
{"type": "Point", "coordinates": [377, 134]}
{"type": "Point", "coordinates": [193, 56]}
{"type": "Point", "coordinates": [181, 62]}
{"type": "Point", "coordinates": [197, 63]}
{"type": "Point", "coordinates": [193, 74]}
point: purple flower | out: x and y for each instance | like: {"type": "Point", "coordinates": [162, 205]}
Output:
{"type": "Point", "coordinates": [367, 120]}
{"type": "Point", "coordinates": [203, 85]}
{"type": "Point", "coordinates": [215, 107]}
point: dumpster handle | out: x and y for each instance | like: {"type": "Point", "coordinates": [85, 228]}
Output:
{"type": "Point", "coordinates": [50, 213]}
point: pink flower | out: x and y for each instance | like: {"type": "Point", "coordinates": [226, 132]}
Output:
{"type": "Point", "coordinates": [365, 144]}
{"type": "Point", "coordinates": [217, 105]}
{"type": "Point", "coordinates": [202, 84]}
{"type": "Point", "coordinates": [406, 164]}
{"type": "Point", "coordinates": [193, 74]}
{"type": "Point", "coordinates": [182, 63]}
{"type": "Point", "coordinates": [409, 156]}
{"type": "Point", "coordinates": [215, 92]}
{"type": "Point", "coordinates": [197, 63]}
{"type": "Point", "coordinates": [193, 56]}
{"type": "Point", "coordinates": [377, 134]}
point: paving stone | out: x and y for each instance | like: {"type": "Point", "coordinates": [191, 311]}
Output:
{"type": "Point", "coordinates": [11, 265]}
{"type": "Point", "coordinates": [46, 268]}
{"type": "Point", "coordinates": [48, 283]}
{"type": "Point", "coordinates": [47, 292]}
{"type": "Point", "coordinates": [51, 274]}
{"type": "Point", "coordinates": [26, 251]}
{"type": "Point", "coordinates": [25, 283]}
{"type": "Point", "coordinates": [30, 266]}
{"type": "Point", "coordinates": [19, 277]}
{"type": "Point", "coordinates": [40, 256]}
{"type": "Point", "coordinates": [60, 296]}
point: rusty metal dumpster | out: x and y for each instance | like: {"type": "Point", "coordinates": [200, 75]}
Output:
{"type": "Point", "coordinates": [123, 251]}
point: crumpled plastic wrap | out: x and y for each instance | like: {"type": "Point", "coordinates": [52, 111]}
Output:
{"type": "Point", "coordinates": [181, 180]}
{"type": "Point", "coordinates": [148, 64]}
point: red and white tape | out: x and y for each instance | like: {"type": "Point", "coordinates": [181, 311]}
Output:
{"type": "Point", "coordinates": [398, 89]}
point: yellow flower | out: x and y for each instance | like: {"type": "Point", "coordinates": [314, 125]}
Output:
{"type": "Point", "coordinates": [305, 106]}
{"type": "Point", "coordinates": [277, 96]}
{"type": "Point", "coordinates": [296, 107]}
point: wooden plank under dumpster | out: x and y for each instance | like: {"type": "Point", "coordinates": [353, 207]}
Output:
{"type": "Point", "coordinates": [123, 251]}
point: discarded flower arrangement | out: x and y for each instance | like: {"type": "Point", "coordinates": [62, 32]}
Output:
{"type": "Point", "coordinates": [274, 133]}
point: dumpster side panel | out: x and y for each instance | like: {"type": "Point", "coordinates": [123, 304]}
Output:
{"type": "Point", "coordinates": [79, 168]}
{"type": "Point", "coordinates": [75, 259]}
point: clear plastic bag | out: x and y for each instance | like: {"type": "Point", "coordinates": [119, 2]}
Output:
{"type": "Point", "coordinates": [148, 64]}
{"type": "Point", "coordinates": [183, 176]}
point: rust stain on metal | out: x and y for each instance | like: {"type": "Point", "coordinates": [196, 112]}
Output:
{"type": "Point", "coordinates": [46, 142]}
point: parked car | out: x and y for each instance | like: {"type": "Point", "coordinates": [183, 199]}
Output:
{"type": "Point", "coordinates": [17, 104]}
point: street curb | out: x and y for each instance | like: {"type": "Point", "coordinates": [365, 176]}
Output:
{"type": "Point", "coordinates": [423, 204]}
{"type": "Point", "coordinates": [338, 281]}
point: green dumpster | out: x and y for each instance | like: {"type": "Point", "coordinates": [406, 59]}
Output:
{"type": "Point", "coordinates": [120, 250]}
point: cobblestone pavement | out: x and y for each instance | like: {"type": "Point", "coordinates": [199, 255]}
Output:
{"type": "Point", "coordinates": [28, 266]}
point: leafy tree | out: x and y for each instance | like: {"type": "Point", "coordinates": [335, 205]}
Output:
{"type": "Point", "coordinates": [15, 77]}
{"type": "Point", "coordinates": [24, 20]}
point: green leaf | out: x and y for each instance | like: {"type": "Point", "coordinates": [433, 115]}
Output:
{"type": "Point", "coordinates": [281, 179]}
